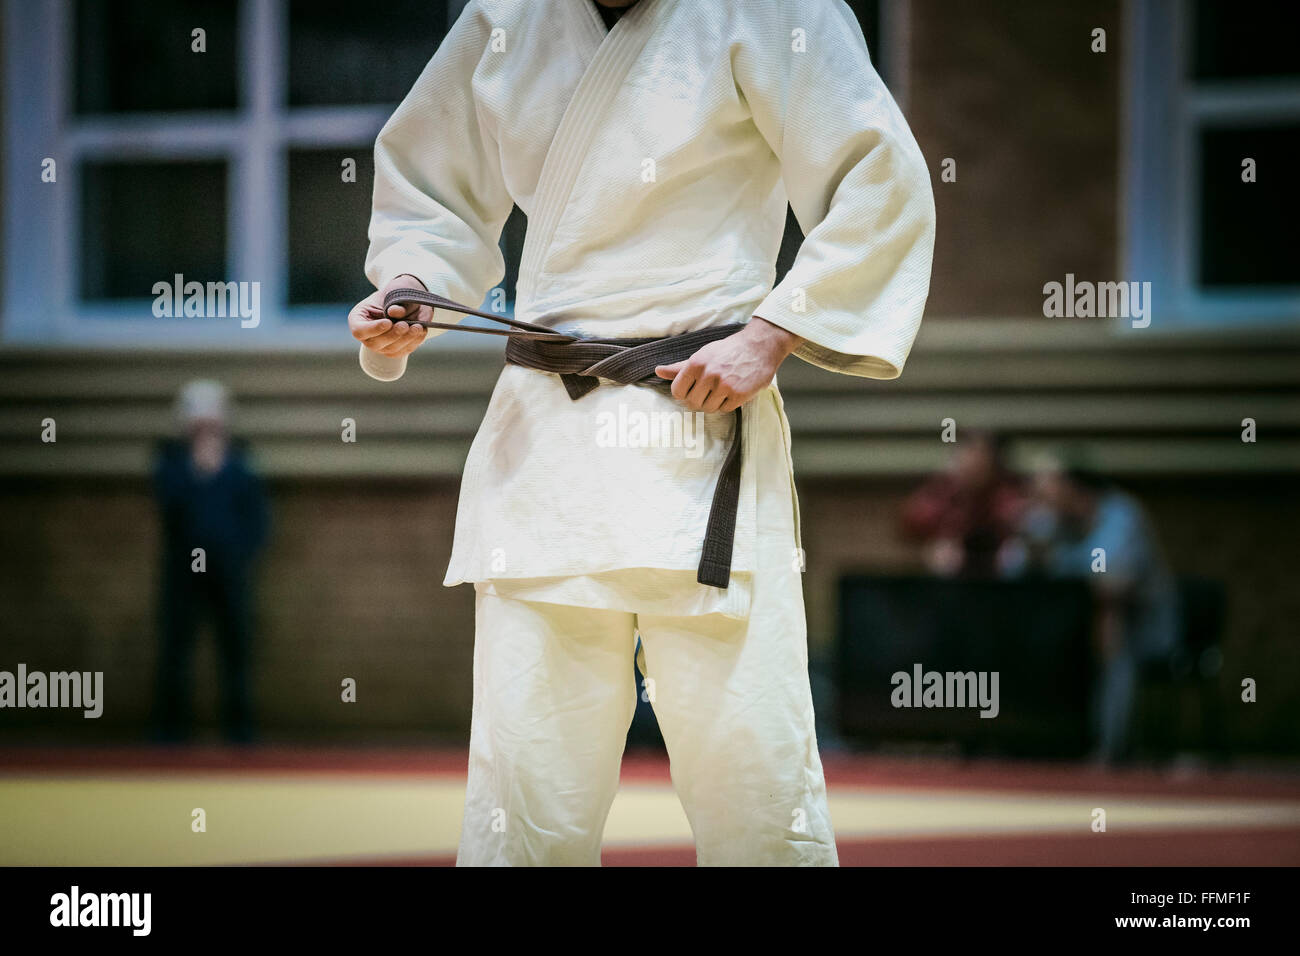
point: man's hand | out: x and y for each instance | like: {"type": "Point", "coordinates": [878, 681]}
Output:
{"type": "Point", "coordinates": [726, 374]}
{"type": "Point", "coordinates": [384, 333]}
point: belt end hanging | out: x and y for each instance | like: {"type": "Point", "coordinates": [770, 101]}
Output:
{"type": "Point", "coordinates": [714, 574]}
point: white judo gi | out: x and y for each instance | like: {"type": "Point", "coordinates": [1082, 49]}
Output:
{"type": "Point", "coordinates": [654, 162]}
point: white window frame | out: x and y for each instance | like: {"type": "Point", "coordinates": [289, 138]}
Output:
{"type": "Point", "coordinates": [41, 220]}
{"type": "Point", "coordinates": [1160, 201]}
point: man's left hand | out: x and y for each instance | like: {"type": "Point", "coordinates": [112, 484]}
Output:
{"type": "Point", "coordinates": [726, 374]}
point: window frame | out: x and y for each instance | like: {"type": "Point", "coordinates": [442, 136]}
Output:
{"type": "Point", "coordinates": [1165, 110]}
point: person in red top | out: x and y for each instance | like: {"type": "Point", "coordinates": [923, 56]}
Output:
{"type": "Point", "coordinates": [966, 516]}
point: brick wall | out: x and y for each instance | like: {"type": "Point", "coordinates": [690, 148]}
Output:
{"type": "Point", "coordinates": [351, 587]}
{"type": "Point", "coordinates": [1011, 91]}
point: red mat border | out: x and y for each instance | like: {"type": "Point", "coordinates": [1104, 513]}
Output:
{"type": "Point", "coordinates": [864, 771]}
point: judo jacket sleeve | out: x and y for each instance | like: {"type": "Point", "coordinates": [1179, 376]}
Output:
{"type": "Point", "coordinates": [440, 200]}
{"type": "Point", "coordinates": [858, 186]}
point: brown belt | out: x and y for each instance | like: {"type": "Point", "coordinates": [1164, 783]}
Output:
{"type": "Point", "coordinates": [582, 362]}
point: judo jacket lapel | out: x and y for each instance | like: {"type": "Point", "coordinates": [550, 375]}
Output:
{"type": "Point", "coordinates": [587, 108]}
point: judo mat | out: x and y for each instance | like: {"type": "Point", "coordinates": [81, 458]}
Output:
{"type": "Point", "coordinates": [286, 806]}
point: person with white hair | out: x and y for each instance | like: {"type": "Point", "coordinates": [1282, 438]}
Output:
{"type": "Point", "coordinates": [214, 523]}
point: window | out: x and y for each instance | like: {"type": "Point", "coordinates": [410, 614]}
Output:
{"type": "Point", "coordinates": [1214, 99]}
{"type": "Point", "coordinates": [218, 156]}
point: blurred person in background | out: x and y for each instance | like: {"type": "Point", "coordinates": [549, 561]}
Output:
{"type": "Point", "coordinates": [965, 516]}
{"type": "Point", "coordinates": [209, 498]}
{"type": "Point", "coordinates": [1080, 525]}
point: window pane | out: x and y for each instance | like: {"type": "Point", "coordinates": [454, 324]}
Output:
{"type": "Point", "coordinates": [1248, 229]}
{"type": "Point", "coordinates": [338, 54]}
{"type": "Point", "coordinates": [143, 222]}
{"type": "Point", "coordinates": [136, 55]}
{"type": "Point", "coordinates": [1246, 38]}
{"type": "Point", "coordinates": [328, 219]}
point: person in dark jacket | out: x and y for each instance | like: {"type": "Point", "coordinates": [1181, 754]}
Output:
{"type": "Point", "coordinates": [214, 522]}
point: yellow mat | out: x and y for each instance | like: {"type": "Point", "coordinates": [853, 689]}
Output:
{"type": "Point", "coordinates": [146, 819]}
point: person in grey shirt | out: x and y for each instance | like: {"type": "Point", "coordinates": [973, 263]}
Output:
{"type": "Point", "coordinates": [1086, 527]}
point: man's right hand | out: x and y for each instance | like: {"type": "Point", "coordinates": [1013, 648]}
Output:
{"type": "Point", "coordinates": [387, 334]}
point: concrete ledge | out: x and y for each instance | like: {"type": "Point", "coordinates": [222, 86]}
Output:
{"type": "Point", "coordinates": [1137, 402]}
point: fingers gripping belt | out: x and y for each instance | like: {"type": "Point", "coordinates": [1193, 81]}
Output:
{"type": "Point", "coordinates": [582, 362]}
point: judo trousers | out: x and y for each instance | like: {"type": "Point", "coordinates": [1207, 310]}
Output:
{"type": "Point", "coordinates": [553, 699]}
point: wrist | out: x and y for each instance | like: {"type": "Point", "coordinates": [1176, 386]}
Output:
{"type": "Point", "coordinates": [414, 281]}
{"type": "Point", "coordinates": [772, 337]}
